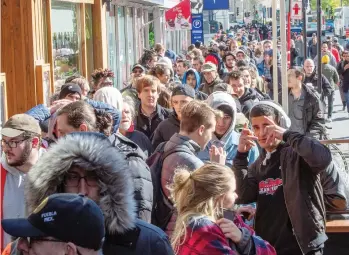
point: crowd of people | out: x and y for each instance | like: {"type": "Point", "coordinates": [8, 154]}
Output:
{"type": "Point", "coordinates": [192, 156]}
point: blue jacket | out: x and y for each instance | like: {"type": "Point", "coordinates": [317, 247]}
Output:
{"type": "Point", "coordinates": [260, 68]}
{"type": "Point", "coordinates": [230, 139]}
{"type": "Point", "coordinates": [42, 113]}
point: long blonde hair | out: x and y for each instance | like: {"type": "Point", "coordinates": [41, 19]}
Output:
{"type": "Point", "coordinates": [198, 193]}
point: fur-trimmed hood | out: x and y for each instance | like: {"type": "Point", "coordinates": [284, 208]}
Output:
{"type": "Point", "coordinates": [91, 152]}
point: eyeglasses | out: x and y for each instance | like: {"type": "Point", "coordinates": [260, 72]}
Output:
{"type": "Point", "coordinates": [12, 144]}
{"type": "Point", "coordinates": [31, 240]}
{"type": "Point", "coordinates": [73, 180]}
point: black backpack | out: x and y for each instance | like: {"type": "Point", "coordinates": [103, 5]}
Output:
{"type": "Point", "coordinates": [162, 207]}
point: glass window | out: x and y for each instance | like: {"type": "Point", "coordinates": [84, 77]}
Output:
{"type": "Point", "coordinates": [65, 25]}
{"type": "Point", "coordinates": [89, 39]}
{"type": "Point", "coordinates": [111, 37]}
{"type": "Point", "coordinates": [122, 75]}
{"type": "Point", "coordinates": [130, 42]}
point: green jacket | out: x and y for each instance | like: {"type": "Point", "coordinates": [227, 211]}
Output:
{"type": "Point", "coordinates": [331, 74]}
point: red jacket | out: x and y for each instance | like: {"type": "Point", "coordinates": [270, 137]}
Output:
{"type": "Point", "coordinates": [205, 237]}
{"type": "Point", "coordinates": [335, 53]}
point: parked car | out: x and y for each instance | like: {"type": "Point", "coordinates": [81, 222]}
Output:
{"type": "Point", "coordinates": [329, 25]}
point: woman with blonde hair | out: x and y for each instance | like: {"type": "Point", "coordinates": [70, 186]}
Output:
{"type": "Point", "coordinates": [200, 198]}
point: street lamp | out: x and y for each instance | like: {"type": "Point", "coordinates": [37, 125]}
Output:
{"type": "Point", "coordinates": [243, 12]}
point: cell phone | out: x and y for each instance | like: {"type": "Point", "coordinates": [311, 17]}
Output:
{"type": "Point", "coordinates": [218, 143]}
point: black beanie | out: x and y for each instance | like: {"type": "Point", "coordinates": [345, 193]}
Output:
{"type": "Point", "coordinates": [69, 88]}
{"type": "Point", "coordinates": [184, 90]}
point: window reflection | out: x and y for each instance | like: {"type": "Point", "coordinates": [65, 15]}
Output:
{"type": "Point", "coordinates": [65, 20]}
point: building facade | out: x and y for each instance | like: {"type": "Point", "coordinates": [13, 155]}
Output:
{"type": "Point", "coordinates": [45, 41]}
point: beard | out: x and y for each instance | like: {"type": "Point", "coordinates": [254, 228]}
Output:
{"type": "Point", "coordinates": [24, 157]}
{"type": "Point", "coordinates": [125, 126]}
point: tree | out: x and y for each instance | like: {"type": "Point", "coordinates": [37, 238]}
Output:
{"type": "Point", "coordinates": [327, 4]}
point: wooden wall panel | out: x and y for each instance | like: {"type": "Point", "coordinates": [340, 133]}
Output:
{"type": "Point", "coordinates": [99, 32]}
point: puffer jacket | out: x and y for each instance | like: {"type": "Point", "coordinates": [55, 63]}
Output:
{"type": "Point", "coordinates": [230, 139]}
{"type": "Point", "coordinates": [331, 74]}
{"type": "Point", "coordinates": [125, 234]}
{"type": "Point", "coordinates": [166, 130]}
{"type": "Point", "coordinates": [175, 160]}
{"type": "Point", "coordinates": [42, 113]}
{"type": "Point", "coordinates": [142, 183]}
{"type": "Point", "coordinates": [302, 161]}
{"type": "Point", "coordinates": [208, 88]}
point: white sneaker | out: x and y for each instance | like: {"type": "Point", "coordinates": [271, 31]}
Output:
{"type": "Point", "coordinates": [329, 120]}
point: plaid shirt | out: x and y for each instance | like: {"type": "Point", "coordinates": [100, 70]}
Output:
{"type": "Point", "coordinates": [204, 237]}
{"type": "Point", "coordinates": [267, 73]}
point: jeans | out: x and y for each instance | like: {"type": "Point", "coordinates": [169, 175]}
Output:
{"type": "Point", "coordinates": [299, 61]}
{"type": "Point", "coordinates": [330, 105]}
{"type": "Point", "coordinates": [346, 96]}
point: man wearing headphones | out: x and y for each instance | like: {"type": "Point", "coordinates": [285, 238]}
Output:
{"type": "Point", "coordinates": [284, 181]}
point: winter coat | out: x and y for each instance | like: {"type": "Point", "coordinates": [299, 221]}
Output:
{"type": "Point", "coordinates": [148, 125]}
{"type": "Point", "coordinates": [141, 140]}
{"type": "Point", "coordinates": [260, 68]}
{"type": "Point", "coordinates": [93, 152]}
{"type": "Point", "coordinates": [294, 53]}
{"type": "Point", "coordinates": [230, 140]}
{"type": "Point", "coordinates": [175, 160]}
{"type": "Point", "coordinates": [142, 183]}
{"type": "Point", "coordinates": [166, 130]}
{"type": "Point", "coordinates": [198, 94]}
{"type": "Point", "coordinates": [312, 48]}
{"type": "Point", "coordinates": [344, 76]}
{"type": "Point", "coordinates": [313, 115]}
{"type": "Point", "coordinates": [302, 160]}
{"type": "Point", "coordinates": [208, 88]}
{"type": "Point", "coordinates": [331, 74]}
{"type": "Point", "coordinates": [213, 241]}
{"type": "Point", "coordinates": [42, 113]}
{"type": "Point", "coordinates": [326, 86]}
{"type": "Point", "coordinates": [248, 99]}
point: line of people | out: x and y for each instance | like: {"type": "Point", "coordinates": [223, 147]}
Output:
{"type": "Point", "coordinates": [166, 159]}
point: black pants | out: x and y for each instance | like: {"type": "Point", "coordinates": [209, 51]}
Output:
{"type": "Point", "coordinates": [317, 252]}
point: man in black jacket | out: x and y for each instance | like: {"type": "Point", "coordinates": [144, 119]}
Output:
{"type": "Point", "coordinates": [284, 181]}
{"type": "Point", "coordinates": [305, 111]}
{"type": "Point", "coordinates": [344, 75]}
{"type": "Point", "coordinates": [150, 113]}
{"type": "Point", "coordinates": [247, 96]}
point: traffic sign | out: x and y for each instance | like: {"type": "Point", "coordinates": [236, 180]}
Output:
{"type": "Point", "coordinates": [296, 9]}
{"type": "Point", "coordinates": [197, 32]}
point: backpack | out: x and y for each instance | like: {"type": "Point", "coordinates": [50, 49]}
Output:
{"type": "Point", "coordinates": [162, 207]}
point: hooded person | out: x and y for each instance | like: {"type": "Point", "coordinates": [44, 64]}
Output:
{"type": "Point", "coordinates": [89, 164]}
{"type": "Point", "coordinates": [193, 79]}
{"type": "Point", "coordinates": [225, 135]}
{"type": "Point", "coordinates": [181, 95]}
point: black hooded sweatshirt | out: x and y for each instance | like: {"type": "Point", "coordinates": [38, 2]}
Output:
{"type": "Point", "coordinates": [166, 130]}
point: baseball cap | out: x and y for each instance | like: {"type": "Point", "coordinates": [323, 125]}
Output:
{"type": "Point", "coordinates": [184, 90]}
{"type": "Point", "coordinates": [138, 66]}
{"type": "Point", "coordinates": [69, 88]}
{"type": "Point", "coordinates": [268, 52]}
{"type": "Point", "coordinates": [20, 123]}
{"type": "Point", "coordinates": [66, 217]}
{"type": "Point", "coordinates": [208, 67]}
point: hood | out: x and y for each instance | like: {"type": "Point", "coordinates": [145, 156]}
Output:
{"type": "Point", "coordinates": [110, 96]}
{"type": "Point", "coordinates": [197, 77]}
{"type": "Point", "coordinates": [217, 99]}
{"type": "Point", "coordinates": [92, 152]}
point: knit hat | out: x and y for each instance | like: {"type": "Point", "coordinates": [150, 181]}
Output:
{"type": "Point", "coordinates": [184, 90]}
{"type": "Point", "coordinates": [212, 59]}
{"type": "Point", "coordinates": [69, 88]}
{"type": "Point", "coordinates": [325, 59]}
{"type": "Point", "coordinates": [268, 52]}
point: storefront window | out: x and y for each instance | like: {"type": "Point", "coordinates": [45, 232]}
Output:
{"type": "Point", "coordinates": [111, 37]}
{"type": "Point", "coordinates": [89, 39]}
{"type": "Point", "coordinates": [130, 40]}
{"type": "Point", "coordinates": [65, 20]}
{"type": "Point", "coordinates": [122, 75]}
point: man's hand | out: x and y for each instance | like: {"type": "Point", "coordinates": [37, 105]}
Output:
{"type": "Point", "coordinates": [247, 140]}
{"type": "Point", "coordinates": [250, 210]}
{"type": "Point", "coordinates": [273, 131]}
{"type": "Point", "coordinates": [346, 67]}
{"type": "Point", "coordinates": [230, 230]}
{"type": "Point", "coordinates": [58, 104]}
{"type": "Point", "coordinates": [218, 155]}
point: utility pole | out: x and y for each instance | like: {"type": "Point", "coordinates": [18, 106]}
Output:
{"type": "Point", "coordinates": [284, 81]}
{"type": "Point", "coordinates": [305, 43]}
{"type": "Point", "coordinates": [319, 34]}
{"type": "Point", "coordinates": [275, 65]}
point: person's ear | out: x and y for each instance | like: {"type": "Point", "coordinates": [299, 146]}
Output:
{"type": "Point", "coordinates": [201, 130]}
{"type": "Point", "coordinates": [70, 249]}
{"type": "Point", "coordinates": [35, 142]}
{"type": "Point", "coordinates": [83, 128]}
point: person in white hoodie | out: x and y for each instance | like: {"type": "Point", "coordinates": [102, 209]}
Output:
{"type": "Point", "coordinates": [21, 147]}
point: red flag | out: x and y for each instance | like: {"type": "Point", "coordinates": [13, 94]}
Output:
{"type": "Point", "coordinates": [179, 17]}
